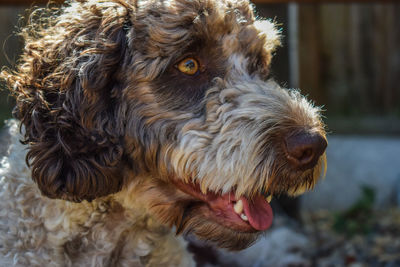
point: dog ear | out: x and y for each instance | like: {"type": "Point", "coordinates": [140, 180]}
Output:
{"type": "Point", "coordinates": [67, 88]}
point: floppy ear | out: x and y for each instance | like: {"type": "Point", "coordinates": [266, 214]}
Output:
{"type": "Point", "coordinates": [67, 88]}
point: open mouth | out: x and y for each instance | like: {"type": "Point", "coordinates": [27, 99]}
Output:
{"type": "Point", "coordinates": [240, 214]}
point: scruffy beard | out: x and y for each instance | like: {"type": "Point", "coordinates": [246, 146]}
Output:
{"type": "Point", "coordinates": [189, 214]}
{"type": "Point", "coordinates": [295, 183]}
{"type": "Point", "coordinates": [188, 211]}
{"type": "Point", "coordinates": [177, 210]}
{"type": "Point", "coordinates": [191, 217]}
{"type": "Point", "coordinates": [205, 229]}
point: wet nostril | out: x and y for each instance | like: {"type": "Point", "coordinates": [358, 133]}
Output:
{"type": "Point", "coordinates": [303, 150]}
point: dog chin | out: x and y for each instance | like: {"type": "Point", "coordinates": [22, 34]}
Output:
{"type": "Point", "coordinates": [189, 215]}
{"type": "Point", "coordinates": [198, 222]}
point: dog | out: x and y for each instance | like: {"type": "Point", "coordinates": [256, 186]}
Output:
{"type": "Point", "coordinates": [138, 121]}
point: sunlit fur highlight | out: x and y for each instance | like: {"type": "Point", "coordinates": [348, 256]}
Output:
{"type": "Point", "coordinates": [213, 158]}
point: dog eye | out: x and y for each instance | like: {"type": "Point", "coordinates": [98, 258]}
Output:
{"type": "Point", "coordinates": [189, 66]}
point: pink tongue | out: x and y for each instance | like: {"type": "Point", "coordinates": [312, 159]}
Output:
{"type": "Point", "coordinates": [258, 212]}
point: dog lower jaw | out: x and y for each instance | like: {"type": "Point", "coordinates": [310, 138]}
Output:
{"type": "Point", "coordinates": [198, 223]}
{"type": "Point", "coordinates": [240, 214]}
{"type": "Point", "coordinates": [173, 208]}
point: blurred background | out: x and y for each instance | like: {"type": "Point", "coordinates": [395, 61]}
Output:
{"type": "Point", "coordinates": [345, 56]}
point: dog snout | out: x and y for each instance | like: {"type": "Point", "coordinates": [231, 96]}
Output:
{"type": "Point", "coordinates": [304, 149]}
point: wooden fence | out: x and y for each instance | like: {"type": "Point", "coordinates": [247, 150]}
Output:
{"type": "Point", "coordinates": [350, 57]}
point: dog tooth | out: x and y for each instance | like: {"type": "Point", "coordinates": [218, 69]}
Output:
{"type": "Point", "coordinates": [238, 207]}
{"type": "Point", "coordinates": [269, 198]}
{"type": "Point", "coordinates": [244, 217]}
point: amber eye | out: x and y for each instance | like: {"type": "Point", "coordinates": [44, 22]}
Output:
{"type": "Point", "coordinates": [189, 66]}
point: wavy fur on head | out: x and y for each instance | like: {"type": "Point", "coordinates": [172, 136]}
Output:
{"type": "Point", "coordinates": [112, 130]}
{"type": "Point", "coordinates": [66, 87]}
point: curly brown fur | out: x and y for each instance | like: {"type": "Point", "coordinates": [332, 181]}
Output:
{"type": "Point", "coordinates": [66, 107]}
{"type": "Point", "coordinates": [107, 117]}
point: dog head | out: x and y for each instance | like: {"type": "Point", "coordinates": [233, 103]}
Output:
{"type": "Point", "coordinates": [170, 102]}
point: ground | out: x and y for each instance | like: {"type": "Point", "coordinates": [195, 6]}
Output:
{"type": "Point", "coordinates": [315, 242]}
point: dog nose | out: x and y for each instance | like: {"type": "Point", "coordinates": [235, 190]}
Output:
{"type": "Point", "coordinates": [304, 149]}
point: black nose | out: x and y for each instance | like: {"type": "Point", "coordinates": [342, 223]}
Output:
{"type": "Point", "coordinates": [304, 149]}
